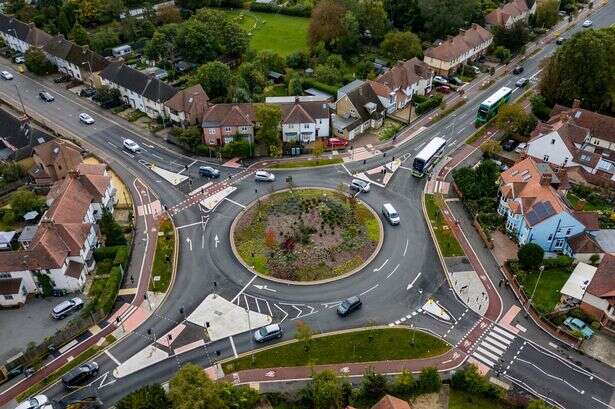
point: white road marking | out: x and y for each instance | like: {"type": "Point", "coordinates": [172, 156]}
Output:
{"type": "Point", "coordinates": [264, 287]}
{"type": "Point", "coordinates": [233, 346]}
{"type": "Point", "coordinates": [492, 348]}
{"type": "Point", "coordinates": [406, 248]}
{"type": "Point", "coordinates": [234, 202]}
{"type": "Point", "coordinates": [413, 281]}
{"type": "Point", "coordinates": [393, 272]}
{"type": "Point", "coordinates": [500, 338]}
{"type": "Point", "coordinates": [496, 343]}
{"type": "Point", "coordinates": [216, 241]}
{"type": "Point", "coordinates": [503, 332]}
{"type": "Point", "coordinates": [383, 264]}
{"type": "Point", "coordinates": [552, 376]}
{"type": "Point", "coordinates": [369, 289]}
{"type": "Point", "coordinates": [188, 225]}
{"type": "Point", "coordinates": [114, 359]}
{"type": "Point", "coordinates": [283, 311]}
{"type": "Point", "coordinates": [110, 143]}
{"type": "Point", "coordinates": [487, 353]}
{"type": "Point", "coordinates": [605, 404]}
{"type": "Point", "coordinates": [483, 359]}
{"type": "Point", "coordinates": [189, 242]}
{"type": "Point", "coordinates": [244, 288]}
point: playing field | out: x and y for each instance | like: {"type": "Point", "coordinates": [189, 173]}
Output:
{"type": "Point", "coordinates": [275, 32]}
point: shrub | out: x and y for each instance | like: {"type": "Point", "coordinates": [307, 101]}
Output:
{"type": "Point", "coordinates": [558, 262]}
{"type": "Point", "coordinates": [121, 257]}
{"type": "Point", "coordinates": [103, 267]}
{"type": "Point", "coordinates": [429, 381]}
{"type": "Point", "coordinates": [433, 102]}
{"type": "Point", "coordinates": [373, 386]}
{"type": "Point", "coordinates": [404, 384]}
{"type": "Point", "coordinates": [106, 252]}
{"type": "Point", "coordinates": [530, 256]}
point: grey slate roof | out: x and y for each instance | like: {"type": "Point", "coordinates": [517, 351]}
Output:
{"type": "Point", "coordinates": [362, 96]}
{"type": "Point", "coordinates": [129, 78]}
{"type": "Point", "coordinates": [13, 27]}
{"type": "Point", "coordinates": [82, 57]}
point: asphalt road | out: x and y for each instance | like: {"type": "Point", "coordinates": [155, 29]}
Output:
{"type": "Point", "coordinates": [406, 252]}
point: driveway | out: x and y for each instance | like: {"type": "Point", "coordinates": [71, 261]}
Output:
{"type": "Point", "coordinates": [30, 323]}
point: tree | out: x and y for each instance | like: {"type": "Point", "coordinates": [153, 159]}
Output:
{"type": "Point", "coordinates": [37, 62]}
{"type": "Point", "coordinates": [191, 137]}
{"type": "Point", "coordinates": [372, 17]}
{"type": "Point", "coordinates": [443, 17]}
{"type": "Point", "coordinates": [582, 68]}
{"type": "Point", "coordinates": [104, 39]}
{"type": "Point", "coordinates": [298, 60]}
{"type": "Point", "coordinates": [148, 397]}
{"type": "Point", "coordinates": [364, 70]}
{"type": "Point", "coordinates": [401, 46]}
{"type": "Point", "coordinates": [303, 333]}
{"type": "Point", "coordinates": [325, 391]}
{"type": "Point", "coordinates": [513, 38]}
{"type": "Point", "coordinates": [540, 108]}
{"type": "Point", "coordinates": [111, 230]}
{"type": "Point", "coordinates": [62, 23]}
{"type": "Point", "coordinates": [232, 39]}
{"type": "Point", "coordinates": [470, 380]}
{"type": "Point", "coordinates": [373, 385]}
{"type": "Point", "coordinates": [79, 35]}
{"type": "Point", "coordinates": [269, 117]}
{"type": "Point", "coordinates": [326, 22]}
{"type": "Point", "coordinates": [215, 78]}
{"type": "Point", "coordinates": [196, 42]}
{"type": "Point", "coordinates": [404, 384]}
{"type": "Point", "coordinates": [253, 77]}
{"type": "Point", "coordinates": [429, 380]}
{"type": "Point", "coordinates": [295, 87]}
{"type": "Point", "coordinates": [530, 256]}
{"type": "Point", "coordinates": [191, 388]}
{"type": "Point", "coordinates": [348, 43]}
{"type": "Point", "coordinates": [327, 74]}
{"type": "Point", "coordinates": [512, 120]}
{"type": "Point", "coordinates": [502, 53]}
{"type": "Point", "coordinates": [490, 148]}
{"type": "Point", "coordinates": [168, 14]}
{"type": "Point", "coordinates": [23, 201]}
{"type": "Point", "coordinates": [162, 43]}
{"type": "Point", "coordinates": [547, 14]}
{"type": "Point", "coordinates": [404, 14]}
{"type": "Point", "coordinates": [318, 148]}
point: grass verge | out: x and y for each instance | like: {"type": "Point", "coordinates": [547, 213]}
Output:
{"type": "Point", "coordinates": [163, 259]}
{"type": "Point", "coordinates": [443, 114]}
{"type": "Point", "coordinates": [305, 163]}
{"type": "Point", "coordinates": [378, 344]}
{"type": "Point", "coordinates": [465, 400]}
{"type": "Point", "coordinates": [84, 356]}
{"type": "Point", "coordinates": [548, 291]}
{"type": "Point", "coordinates": [447, 242]}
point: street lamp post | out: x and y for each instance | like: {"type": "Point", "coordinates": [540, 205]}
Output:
{"type": "Point", "coordinates": [529, 301]}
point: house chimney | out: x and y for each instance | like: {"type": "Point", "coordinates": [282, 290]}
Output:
{"type": "Point", "coordinates": [576, 103]}
{"type": "Point", "coordinates": [297, 100]}
{"type": "Point", "coordinates": [545, 179]}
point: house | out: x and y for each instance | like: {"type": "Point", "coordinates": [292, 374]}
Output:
{"type": "Point", "coordinates": [53, 161]}
{"type": "Point", "coordinates": [222, 123]}
{"type": "Point", "coordinates": [18, 137]}
{"type": "Point", "coordinates": [402, 81]}
{"type": "Point", "coordinates": [599, 298]}
{"type": "Point", "coordinates": [294, 98]}
{"type": "Point", "coordinates": [583, 247]}
{"type": "Point", "coordinates": [351, 86]}
{"type": "Point", "coordinates": [533, 208]}
{"type": "Point", "coordinates": [357, 111]}
{"type": "Point", "coordinates": [449, 55]}
{"type": "Point", "coordinates": [77, 61]}
{"type": "Point", "coordinates": [12, 292]}
{"type": "Point", "coordinates": [574, 288]}
{"type": "Point", "coordinates": [188, 106]}
{"type": "Point", "coordinates": [509, 13]}
{"type": "Point", "coordinates": [19, 36]}
{"type": "Point", "coordinates": [579, 140]}
{"type": "Point", "coordinates": [303, 122]}
{"type": "Point", "coordinates": [7, 240]}
{"type": "Point", "coordinates": [140, 91]}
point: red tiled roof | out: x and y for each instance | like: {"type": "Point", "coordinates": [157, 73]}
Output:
{"type": "Point", "coordinates": [455, 47]}
{"type": "Point", "coordinates": [603, 283]}
{"type": "Point", "coordinates": [193, 101]}
{"type": "Point", "coordinates": [229, 115]}
{"type": "Point", "coordinates": [584, 243]}
{"type": "Point", "coordinates": [500, 16]}
{"type": "Point", "coordinates": [601, 126]}
{"type": "Point", "coordinates": [391, 402]}
{"type": "Point", "coordinates": [92, 169]}
{"type": "Point", "coordinates": [404, 74]}
{"type": "Point", "coordinates": [10, 286]}
{"type": "Point", "coordinates": [74, 269]}
{"type": "Point", "coordinates": [590, 220]}
{"type": "Point", "coordinates": [71, 201]}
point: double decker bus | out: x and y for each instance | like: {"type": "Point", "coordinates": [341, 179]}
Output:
{"type": "Point", "coordinates": [489, 108]}
{"type": "Point", "coordinates": [426, 157]}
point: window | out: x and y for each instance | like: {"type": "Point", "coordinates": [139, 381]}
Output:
{"type": "Point", "coordinates": [227, 129]}
{"type": "Point", "coordinates": [8, 297]}
{"type": "Point", "coordinates": [306, 126]}
{"type": "Point", "coordinates": [568, 231]}
{"type": "Point", "coordinates": [545, 158]}
{"type": "Point", "coordinates": [212, 131]}
{"type": "Point", "coordinates": [559, 243]}
{"type": "Point", "coordinates": [5, 275]}
{"type": "Point", "coordinates": [550, 237]}
{"type": "Point", "coordinates": [553, 141]}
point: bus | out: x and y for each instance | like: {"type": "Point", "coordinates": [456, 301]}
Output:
{"type": "Point", "coordinates": [489, 108]}
{"type": "Point", "coordinates": [426, 157]}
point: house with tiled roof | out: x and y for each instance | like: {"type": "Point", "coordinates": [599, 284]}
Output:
{"type": "Point", "coordinates": [304, 122]}
{"type": "Point", "coordinates": [399, 84]}
{"type": "Point", "coordinates": [599, 298]}
{"type": "Point", "coordinates": [53, 161]}
{"type": "Point", "coordinates": [141, 91]}
{"type": "Point", "coordinates": [19, 36]}
{"type": "Point", "coordinates": [188, 106]}
{"type": "Point", "coordinates": [510, 13]}
{"type": "Point", "coordinates": [534, 210]}
{"type": "Point", "coordinates": [357, 111]}
{"type": "Point", "coordinates": [447, 56]}
{"type": "Point", "coordinates": [18, 137]}
{"type": "Point", "coordinates": [77, 61]}
{"type": "Point", "coordinates": [223, 123]}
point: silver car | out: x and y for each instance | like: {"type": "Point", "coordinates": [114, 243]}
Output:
{"type": "Point", "coordinates": [66, 308]}
{"type": "Point", "coordinates": [268, 333]}
{"type": "Point", "coordinates": [359, 185]}
{"type": "Point", "coordinates": [262, 176]}
{"type": "Point", "coordinates": [36, 402]}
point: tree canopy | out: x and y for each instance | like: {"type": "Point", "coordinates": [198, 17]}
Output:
{"type": "Point", "coordinates": [401, 45]}
{"type": "Point", "coordinates": [530, 256]}
{"type": "Point", "coordinates": [443, 17]}
{"type": "Point", "coordinates": [215, 78]}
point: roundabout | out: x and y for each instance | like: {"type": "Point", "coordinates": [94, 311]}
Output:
{"type": "Point", "coordinates": [306, 235]}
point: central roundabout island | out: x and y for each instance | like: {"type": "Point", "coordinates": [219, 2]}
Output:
{"type": "Point", "coordinates": [306, 235]}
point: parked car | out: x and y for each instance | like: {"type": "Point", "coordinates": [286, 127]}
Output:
{"type": "Point", "coordinates": [439, 80]}
{"type": "Point", "coordinates": [268, 333]}
{"type": "Point", "coordinates": [262, 176]}
{"type": "Point", "coordinates": [348, 306]}
{"type": "Point", "coordinates": [65, 308]}
{"type": "Point", "coordinates": [208, 172]}
{"type": "Point", "coordinates": [521, 147]}
{"type": "Point", "coordinates": [6, 75]}
{"type": "Point", "coordinates": [518, 69]}
{"type": "Point", "coordinates": [77, 376]}
{"type": "Point", "coordinates": [444, 89]}
{"type": "Point", "coordinates": [131, 146]}
{"type": "Point", "coordinates": [509, 145]}
{"type": "Point", "coordinates": [359, 185]}
{"type": "Point", "coordinates": [522, 82]}
{"type": "Point", "coordinates": [474, 69]}
{"type": "Point", "coordinates": [335, 143]}
{"type": "Point", "coordinates": [86, 119]}
{"type": "Point", "coordinates": [455, 80]}
{"type": "Point", "coordinates": [576, 324]}
{"type": "Point", "coordinates": [588, 23]}
{"type": "Point", "coordinates": [87, 92]}
{"type": "Point", "coordinates": [61, 79]}
{"type": "Point", "coordinates": [46, 96]}
{"type": "Point", "coordinates": [19, 59]}
{"type": "Point", "coordinates": [389, 213]}
{"type": "Point", "coordinates": [36, 402]}
{"type": "Point", "coordinates": [560, 40]}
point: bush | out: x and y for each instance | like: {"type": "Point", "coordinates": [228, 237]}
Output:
{"type": "Point", "coordinates": [296, 10]}
{"type": "Point", "coordinates": [530, 256]}
{"type": "Point", "coordinates": [240, 148]}
{"type": "Point", "coordinates": [559, 262]}
{"type": "Point", "coordinates": [113, 232]}
{"type": "Point", "coordinates": [404, 384]}
{"type": "Point", "coordinates": [37, 62]}
{"type": "Point", "coordinates": [329, 89]}
{"type": "Point", "coordinates": [103, 267]}
{"type": "Point", "coordinates": [107, 298]}
{"type": "Point", "coordinates": [105, 253]}
{"type": "Point", "coordinates": [433, 102]}
{"type": "Point", "coordinates": [373, 386]}
{"type": "Point", "coordinates": [469, 380]}
{"type": "Point", "coordinates": [429, 381]}
{"type": "Point", "coordinates": [121, 257]}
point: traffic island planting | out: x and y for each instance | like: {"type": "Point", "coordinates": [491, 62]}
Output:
{"type": "Point", "coordinates": [306, 234]}
{"type": "Point", "coordinates": [162, 270]}
{"type": "Point", "coordinates": [449, 246]}
{"type": "Point", "coordinates": [305, 163]}
{"type": "Point", "coordinates": [370, 345]}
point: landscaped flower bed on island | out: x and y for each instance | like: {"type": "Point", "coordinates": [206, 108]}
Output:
{"type": "Point", "coordinates": [306, 234]}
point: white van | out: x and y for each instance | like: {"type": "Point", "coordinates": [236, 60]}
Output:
{"type": "Point", "coordinates": [390, 214]}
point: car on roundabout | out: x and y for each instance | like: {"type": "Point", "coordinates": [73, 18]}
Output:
{"type": "Point", "coordinates": [348, 306]}
{"type": "Point", "coordinates": [268, 333]}
{"type": "Point", "coordinates": [263, 176]}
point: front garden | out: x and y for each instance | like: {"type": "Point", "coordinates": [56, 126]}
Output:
{"type": "Point", "coordinates": [306, 234]}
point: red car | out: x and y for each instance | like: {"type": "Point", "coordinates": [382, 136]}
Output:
{"type": "Point", "coordinates": [443, 89]}
{"type": "Point", "coordinates": [335, 143]}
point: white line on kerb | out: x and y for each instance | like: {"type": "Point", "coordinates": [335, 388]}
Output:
{"type": "Point", "coordinates": [244, 288]}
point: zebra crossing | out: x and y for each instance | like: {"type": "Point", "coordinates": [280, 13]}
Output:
{"type": "Point", "coordinates": [490, 348]}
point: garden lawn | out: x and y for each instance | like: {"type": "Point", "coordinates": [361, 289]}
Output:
{"type": "Point", "coordinates": [548, 291]}
{"type": "Point", "coordinates": [165, 246]}
{"type": "Point", "coordinates": [276, 32]}
{"type": "Point", "coordinates": [305, 163]}
{"type": "Point", "coordinates": [466, 400]}
{"type": "Point", "coordinates": [589, 207]}
{"type": "Point", "coordinates": [357, 346]}
{"type": "Point", "coordinates": [447, 242]}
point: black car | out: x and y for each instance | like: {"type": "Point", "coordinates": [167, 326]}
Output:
{"type": "Point", "coordinates": [46, 96]}
{"type": "Point", "coordinates": [79, 375]}
{"type": "Point", "coordinates": [560, 40]}
{"type": "Point", "coordinates": [348, 306]}
{"type": "Point", "coordinates": [208, 172]}
{"type": "Point", "coordinates": [518, 69]}
{"type": "Point", "coordinates": [88, 92]}
{"type": "Point", "coordinates": [510, 145]}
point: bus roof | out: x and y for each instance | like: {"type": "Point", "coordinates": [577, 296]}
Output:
{"type": "Point", "coordinates": [496, 96]}
{"type": "Point", "coordinates": [430, 149]}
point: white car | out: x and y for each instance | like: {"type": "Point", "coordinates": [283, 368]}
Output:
{"type": "Point", "coordinates": [86, 119]}
{"type": "Point", "coordinates": [262, 176]}
{"type": "Point", "coordinates": [37, 402]}
{"type": "Point", "coordinates": [588, 23]}
{"type": "Point", "coordinates": [20, 59]}
{"type": "Point", "coordinates": [132, 146]}
{"type": "Point", "coordinates": [440, 80]}
{"type": "Point", "coordinates": [6, 75]}
{"type": "Point", "coordinates": [521, 147]}
{"type": "Point", "coordinates": [359, 185]}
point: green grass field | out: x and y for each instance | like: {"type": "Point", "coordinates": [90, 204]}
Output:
{"type": "Point", "coordinates": [275, 32]}
{"type": "Point", "coordinates": [449, 245]}
{"type": "Point", "coordinates": [305, 163]}
{"type": "Point", "coordinates": [357, 346]}
{"type": "Point", "coordinates": [165, 246]}
{"type": "Point", "coordinates": [548, 291]}
{"type": "Point", "coordinates": [466, 400]}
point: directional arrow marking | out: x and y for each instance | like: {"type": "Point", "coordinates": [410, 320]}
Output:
{"type": "Point", "coordinates": [216, 241]}
{"type": "Point", "coordinates": [264, 287]}
{"type": "Point", "coordinates": [413, 281]}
